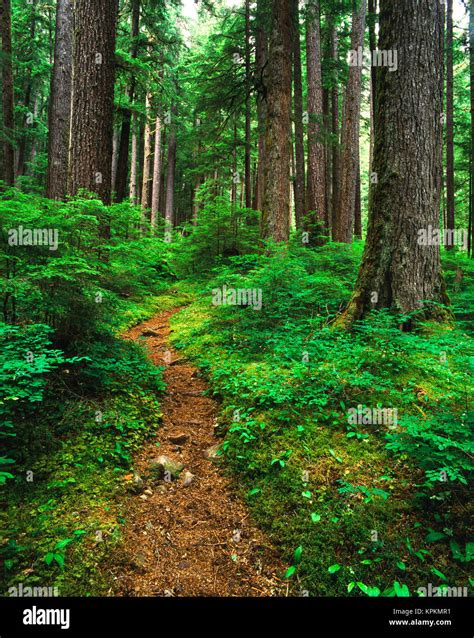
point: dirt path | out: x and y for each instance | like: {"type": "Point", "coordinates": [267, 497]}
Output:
{"type": "Point", "coordinates": [194, 540]}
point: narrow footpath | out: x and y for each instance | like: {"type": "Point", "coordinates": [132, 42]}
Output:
{"type": "Point", "coordinates": [187, 532]}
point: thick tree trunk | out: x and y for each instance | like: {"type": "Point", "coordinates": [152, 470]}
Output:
{"type": "Point", "coordinates": [327, 159]}
{"type": "Point", "coordinates": [169, 206]}
{"type": "Point", "coordinates": [350, 132]}
{"type": "Point", "coordinates": [450, 221]}
{"type": "Point", "coordinates": [7, 95]}
{"type": "Point", "coordinates": [335, 131]}
{"type": "Point", "coordinates": [122, 162]}
{"type": "Point", "coordinates": [276, 199]}
{"type": "Point", "coordinates": [300, 184]}
{"type": "Point", "coordinates": [134, 162]}
{"type": "Point", "coordinates": [261, 60]}
{"type": "Point", "coordinates": [93, 98]}
{"type": "Point", "coordinates": [28, 93]}
{"type": "Point", "coordinates": [59, 116]}
{"type": "Point", "coordinates": [155, 195]}
{"type": "Point", "coordinates": [316, 187]}
{"type": "Point", "coordinates": [471, 59]}
{"type": "Point", "coordinates": [400, 269]}
{"type": "Point", "coordinates": [357, 204]}
{"type": "Point", "coordinates": [372, 20]}
{"type": "Point", "coordinates": [248, 115]}
{"type": "Point", "coordinates": [147, 157]}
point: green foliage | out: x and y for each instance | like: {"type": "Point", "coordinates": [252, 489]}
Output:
{"type": "Point", "coordinates": [292, 378]}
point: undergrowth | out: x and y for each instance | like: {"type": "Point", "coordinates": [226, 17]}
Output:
{"type": "Point", "coordinates": [355, 508]}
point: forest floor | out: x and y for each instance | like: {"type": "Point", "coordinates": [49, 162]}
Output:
{"type": "Point", "coordinates": [196, 539]}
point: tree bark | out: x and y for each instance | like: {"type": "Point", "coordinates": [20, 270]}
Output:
{"type": "Point", "coordinates": [122, 162]}
{"type": "Point", "coordinates": [59, 116]}
{"type": "Point", "coordinates": [316, 187]}
{"type": "Point", "coordinates": [300, 191]}
{"type": "Point", "coordinates": [93, 98]}
{"type": "Point", "coordinates": [372, 19]}
{"type": "Point", "coordinates": [398, 270]}
{"type": "Point", "coordinates": [155, 195]}
{"type": "Point", "coordinates": [261, 60]}
{"type": "Point", "coordinates": [24, 134]}
{"type": "Point", "coordinates": [350, 132]}
{"type": "Point", "coordinates": [471, 61]}
{"type": "Point", "coordinates": [115, 152]}
{"type": "Point", "coordinates": [248, 176]}
{"type": "Point", "coordinates": [147, 157]}
{"type": "Point", "coordinates": [335, 131]}
{"type": "Point", "coordinates": [134, 162]}
{"type": "Point", "coordinates": [276, 199]}
{"type": "Point", "coordinates": [357, 204]}
{"type": "Point", "coordinates": [450, 221]}
{"type": "Point", "coordinates": [7, 95]}
{"type": "Point", "coordinates": [169, 206]}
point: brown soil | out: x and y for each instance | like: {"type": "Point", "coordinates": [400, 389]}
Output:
{"type": "Point", "coordinates": [196, 540]}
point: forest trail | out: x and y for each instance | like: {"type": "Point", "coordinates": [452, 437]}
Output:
{"type": "Point", "coordinates": [194, 540]}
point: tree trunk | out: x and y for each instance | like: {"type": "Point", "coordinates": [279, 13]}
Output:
{"type": "Point", "coordinates": [300, 192]}
{"type": "Point", "coordinates": [248, 176]}
{"type": "Point", "coordinates": [276, 199]}
{"type": "Point", "coordinates": [261, 60]}
{"type": "Point", "coordinates": [350, 132]}
{"type": "Point", "coordinates": [93, 98]}
{"type": "Point", "coordinates": [449, 124]}
{"type": "Point", "coordinates": [115, 152]}
{"type": "Point", "coordinates": [7, 95]}
{"type": "Point", "coordinates": [372, 20]}
{"type": "Point", "coordinates": [471, 60]}
{"type": "Point", "coordinates": [24, 133]}
{"type": "Point", "coordinates": [147, 157]}
{"type": "Point", "coordinates": [335, 131]}
{"type": "Point", "coordinates": [122, 162]}
{"type": "Point", "coordinates": [327, 159]}
{"type": "Point", "coordinates": [357, 204]}
{"type": "Point", "coordinates": [316, 187]}
{"type": "Point", "coordinates": [169, 207]}
{"type": "Point", "coordinates": [134, 162]}
{"type": "Point", "coordinates": [400, 269]}
{"type": "Point", "coordinates": [155, 195]}
{"type": "Point", "coordinates": [59, 116]}
{"type": "Point", "coordinates": [35, 141]}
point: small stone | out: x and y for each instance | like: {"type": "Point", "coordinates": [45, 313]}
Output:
{"type": "Point", "coordinates": [164, 467]}
{"type": "Point", "coordinates": [187, 478]}
{"type": "Point", "coordinates": [148, 332]}
{"type": "Point", "coordinates": [144, 497]}
{"type": "Point", "coordinates": [136, 485]}
{"type": "Point", "coordinates": [148, 492]}
{"type": "Point", "coordinates": [213, 453]}
{"type": "Point", "coordinates": [177, 361]}
{"type": "Point", "coordinates": [178, 438]}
